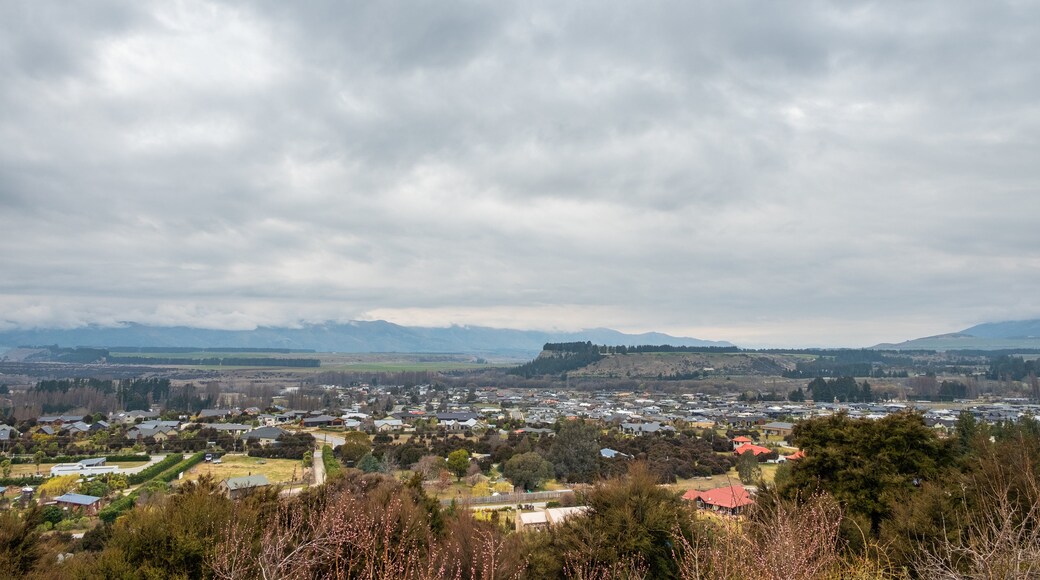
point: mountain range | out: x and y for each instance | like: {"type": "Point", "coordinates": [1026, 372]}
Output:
{"type": "Point", "coordinates": [1015, 334]}
{"type": "Point", "coordinates": [350, 337]}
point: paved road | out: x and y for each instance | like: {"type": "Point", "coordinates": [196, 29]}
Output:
{"type": "Point", "coordinates": [319, 468]}
{"type": "Point", "coordinates": [155, 459]}
{"type": "Point", "coordinates": [332, 440]}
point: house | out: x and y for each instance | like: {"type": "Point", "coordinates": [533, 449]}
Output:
{"type": "Point", "coordinates": [651, 428]}
{"type": "Point", "coordinates": [738, 441]}
{"type": "Point", "coordinates": [729, 500]}
{"type": "Point", "coordinates": [236, 487]}
{"type": "Point", "coordinates": [756, 449]}
{"type": "Point", "coordinates": [388, 425]}
{"type": "Point", "coordinates": [265, 435]}
{"type": "Point", "coordinates": [167, 426]}
{"type": "Point", "coordinates": [59, 419]}
{"type": "Point", "coordinates": [608, 453]}
{"type": "Point", "coordinates": [215, 413]}
{"type": "Point", "coordinates": [232, 428]}
{"type": "Point", "coordinates": [79, 427]}
{"type": "Point", "coordinates": [456, 416]}
{"type": "Point", "coordinates": [320, 420]}
{"type": "Point", "coordinates": [88, 503]}
{"type": "Point", "coordinates": [158, 433]}
{"type": "Point", "coordinates": [82, 469]}
{"type": "Point", "coordinates": [794, 456]}
{"type": "Point", "coordinates": [93, 461]}
{"type": "Point", "coordinates": [457, 426]}
{"type": "Point", "coordinates": [778, 428]}
{"type": "Point", "coordinates": [133, 416]}
{"type": "Point", "coordinates": [8, 433]}
{"type": "Point", "coordinates": [546, 518]}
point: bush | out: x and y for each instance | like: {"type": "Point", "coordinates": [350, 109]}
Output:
{"type": "Point", "coordinates": [332, 465]}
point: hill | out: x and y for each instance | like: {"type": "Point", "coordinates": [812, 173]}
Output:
{"type": "Point", "coordinates": [1020, 334]}
{"type": "Point", "coordinates": [351, 337]}
{"type": "Point", "coordinates": [651, 365]}
{"type": "Point", "coordinates": [1017, 329]}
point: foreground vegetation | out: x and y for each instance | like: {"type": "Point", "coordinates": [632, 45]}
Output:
{"type": "Point", "coordinates": [884, 498]}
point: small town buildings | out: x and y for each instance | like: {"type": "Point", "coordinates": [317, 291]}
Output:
{"type": "Point", "coordinates": [159, 434]}
{"type": "Point", "coordinates": [232, 428]}
{"type": "Point", "coordinates": [546, 518]}
{"type": "Point", "coordinates": [8, 433]}
{"type": "Point", "coordinates": [265, 435]}
{"type": "Point", "coordinates": [59, 419]}
{"type": "Point", "coordinates": [321, 421]}
{"type": "Point", "coordinates": [86, 467]}
{"type": "Point", "coordinates": [645, 428]}
{"type": "Point", "coordinates": [749, 447]}
{"type": "Point", "coordinates": [88, 503]}
{"type": "Point", "coordinates": [207, 414]}
{"type": "Point", "coordinates": [730, 500]}
{"type": "Point", "coordinates": [388, 425]}
{"type": "Point", "coordinates": [236, 487]}
{"type": "Point", "coordinates": [778, 428]}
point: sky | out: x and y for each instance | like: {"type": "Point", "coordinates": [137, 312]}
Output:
{"type": "Point", "coordinates": [772, 174]}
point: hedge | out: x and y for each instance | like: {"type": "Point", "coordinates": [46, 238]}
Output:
{"type": "Point", "coordinates": [22, 460]}
{"type": "Point", "coordinates": [171, 473]}
{"type": "Point", "coordinates": [114, 509]}
{"type": "Point", "coordinates": [22, 481]}
{"type": "Point", "coordinates": [109, 513]}
{"type": "Point", "coordinates": [332, 465]}
{"type": "Point", "coordinates": [153, 470]}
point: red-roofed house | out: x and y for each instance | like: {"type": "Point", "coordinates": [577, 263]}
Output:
{"type": "Point", "coordinates": [738, 441]}
{"type": "Point", "coordinates": [756, 449]}
{"type": "Point", "coordinates": [794, 456]}
{"type": "Point", "coordinates": [728, 500]}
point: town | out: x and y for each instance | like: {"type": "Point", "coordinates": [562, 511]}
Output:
{"type": "Point", "coordinates": [524, 455]}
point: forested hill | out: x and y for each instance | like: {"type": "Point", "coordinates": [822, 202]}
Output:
{"type": "Point", "coordinates": [351, 337]}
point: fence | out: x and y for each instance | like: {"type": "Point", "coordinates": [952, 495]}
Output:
{"type": "Point", "coordinates": [510, 498]}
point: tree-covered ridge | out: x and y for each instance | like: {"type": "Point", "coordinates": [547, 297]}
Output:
{"type": "Point", "coordinates": [558, 358]}
{"type": "Point", "coordinates": [217, 361]}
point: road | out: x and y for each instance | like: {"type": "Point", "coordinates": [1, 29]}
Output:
{"type": "Point", "coordinates": [319, 468]}
{"type": "Point", "coordinates": [155, 459]}
{"type": "Point", "coordinates": [332, 440]}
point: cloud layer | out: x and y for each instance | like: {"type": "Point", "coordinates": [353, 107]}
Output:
{"type": "Point", "coordinates": [826, 173]}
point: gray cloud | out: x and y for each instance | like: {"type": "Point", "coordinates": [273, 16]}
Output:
{"type": "Point", "coordinates": [828, 173]}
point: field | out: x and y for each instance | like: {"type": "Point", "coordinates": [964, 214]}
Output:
{"type": "Point", "coordinates": [276, 470]}
{"type": "Point", "coordinates": [374, 363]}
{"type": "Point", "coordinates": [729, 478]}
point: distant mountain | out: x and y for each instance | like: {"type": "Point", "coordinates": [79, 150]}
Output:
{"type": "Point", "coordinates": [351, 337]}
{"type": "Point", "coordinates": [1014, 329]}
{"type": "Point", "coordinates": [988, 336]}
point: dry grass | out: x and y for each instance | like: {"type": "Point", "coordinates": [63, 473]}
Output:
{"type": "Point", "coordinates": [276, 470]}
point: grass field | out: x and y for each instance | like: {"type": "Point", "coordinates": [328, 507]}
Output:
{"type": "Point", "coordinates": [729, 478]}
{"type": "Point", "coordinates": [24, 469]}
{"type": "Point", "coordinates": [276, 470]}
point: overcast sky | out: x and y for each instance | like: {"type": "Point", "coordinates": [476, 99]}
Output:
{"type": "Point", "coordinates": [768, 173]}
